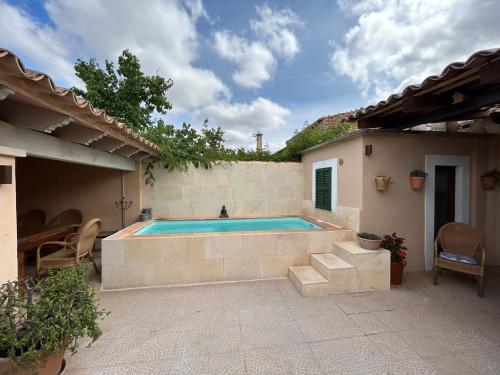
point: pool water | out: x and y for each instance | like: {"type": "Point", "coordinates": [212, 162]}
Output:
{"type": "Point", "coordinates": [226, 225]}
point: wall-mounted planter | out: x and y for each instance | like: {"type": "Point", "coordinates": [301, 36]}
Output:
{"type": "Point", "coordinates": [382, 183]}
{"type": "Point", "coordinates": [488, 182]}
{"type": "Point", "coordinates": [417, 183]}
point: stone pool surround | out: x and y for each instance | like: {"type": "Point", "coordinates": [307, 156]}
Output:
{"type": "Point", "coordinates": [174, 259]}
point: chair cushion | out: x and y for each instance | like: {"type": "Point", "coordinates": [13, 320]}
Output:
{"type": "Point", "coordinates": [457, 257]}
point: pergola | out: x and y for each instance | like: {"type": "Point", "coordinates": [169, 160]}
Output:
{"type": "Point", "coordinates": [463, 91]}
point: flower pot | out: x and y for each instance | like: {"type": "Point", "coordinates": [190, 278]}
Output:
{"type": "Point", "coordinates": [52, 366]}
{"type": "Point", "coordinates": [382, 182]}
{"type": "Point", "coordinates": [369, 244]}
{"type": "Point", "coordinates": [488, 182]}
{"type": "Point", "coordinates": [397, 272]}
{"type": "Point", "coordinates": [416, 183]}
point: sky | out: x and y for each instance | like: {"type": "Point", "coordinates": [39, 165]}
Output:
{"type": "Point", "coordinates": [249, 66]}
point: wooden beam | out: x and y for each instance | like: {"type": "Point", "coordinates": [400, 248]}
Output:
{"type": "Point", "coordinates": [424, 103]}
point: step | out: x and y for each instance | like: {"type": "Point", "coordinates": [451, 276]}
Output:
{"type": "Point", "coordinates": [308, 281]}
{"type": "Point", "coordinates": [372, 266]}
{"type": "Point", "coordinates": [340, 274]}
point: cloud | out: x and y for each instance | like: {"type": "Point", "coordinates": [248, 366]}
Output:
{"type": "Point", "coordinates": [38, 42]}
{"type": "Point", "coordinates": [241, 120]}
{"type": "Point", "coordinates": [397, 43]}
{"type": "Point", "coordinates": [275, 28]}
{"type": "Point", "coordinates": [255, 62]}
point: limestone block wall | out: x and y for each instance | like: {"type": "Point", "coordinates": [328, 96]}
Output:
{"type": "Point", "coordinates": [245, 188]}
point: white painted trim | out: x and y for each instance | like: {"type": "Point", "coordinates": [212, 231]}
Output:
{"type": "Point", "coordinates": [462, 196]}
{"type": "Point", "coordinates": [46, 146]}
{"type": "Point", "coordinates": [333, 163]}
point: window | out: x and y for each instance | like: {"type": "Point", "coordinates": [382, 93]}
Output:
{"type": "Point", "coordinates": [324, 189]}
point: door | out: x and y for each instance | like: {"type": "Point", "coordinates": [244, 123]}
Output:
{"type": "Point", "coordinates": [444, 202]}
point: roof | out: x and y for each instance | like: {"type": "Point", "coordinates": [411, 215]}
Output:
{"type": "Point", "coordinates": [479, 74]}
{"type": "Point", "coordinates": [39, 88]}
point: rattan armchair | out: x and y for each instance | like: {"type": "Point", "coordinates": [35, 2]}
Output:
{"type": "Point", "coordinates": [461, 239]}
{"type": "Point", "coordinates": [70, 252]}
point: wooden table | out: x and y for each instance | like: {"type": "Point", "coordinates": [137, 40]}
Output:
{"type": "Point", "coordinates": [32, 241]}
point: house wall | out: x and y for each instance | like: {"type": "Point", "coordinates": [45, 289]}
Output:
{"type": "Point", "coordinates": [401, 209]}
{"type": "Point", "coordinates": [55, 186]}
{"type": "Point", "coordinates": [8, 222]}
{"type": "Point", "coordinates": [350, 176]}
{"type": "Point", "coordinates": [245, 188]}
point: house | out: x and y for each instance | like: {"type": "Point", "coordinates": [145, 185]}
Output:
{"type": "Point", "coordinates": [459, 106]}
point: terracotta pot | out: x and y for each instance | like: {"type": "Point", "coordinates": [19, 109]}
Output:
{"type": "Point", "coordinates": [53, 366]}
{"type": "Point", "coordinates": [416, 183]}
{"type": "Point", "coordinates": [382, 182]}
{"type": "Point", "coordinates": [488, 182]}
{"type": "Point", "coordinates": [397, 272]}
{"type": "Point", "coordinates": [369, 244]}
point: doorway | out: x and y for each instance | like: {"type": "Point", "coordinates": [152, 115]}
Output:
{"type": "Point", "coordinates": [444, 202]}
{"type": "Point", "coordinates": [447, 196]}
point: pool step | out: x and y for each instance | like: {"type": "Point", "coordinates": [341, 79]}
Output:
{"type": "Point", "coordinates": [308, 281]}
{"type": "Point", "coordinates": [340, 274]}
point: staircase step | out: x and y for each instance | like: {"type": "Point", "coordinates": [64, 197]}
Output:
{"type": "Point", "coordinates": [340, 274]}
{"type": "Point", "coordinates": [308, 281]}
{"type": "Point", "coordinates": [372, 267]}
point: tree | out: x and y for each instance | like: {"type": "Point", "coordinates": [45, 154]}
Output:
{"type": "Point", "coordinates": [125, 93]}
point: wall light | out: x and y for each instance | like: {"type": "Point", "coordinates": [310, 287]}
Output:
{"type": "Point", "coordinates": [5, 174]}
{"type": "Point", "coordinates": [368, 150]}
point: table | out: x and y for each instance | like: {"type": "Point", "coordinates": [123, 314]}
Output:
{"type": "Point", "coordinates": [32, 241]}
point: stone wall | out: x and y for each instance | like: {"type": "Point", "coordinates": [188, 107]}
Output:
{"type": "Point", "coordinates": [245, 188]}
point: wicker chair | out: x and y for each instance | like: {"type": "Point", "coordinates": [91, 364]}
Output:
{"type": "Point", "coordinates": [68, 217]}
{"type": "Point", "coordinates": [461, 239]}
{"type": "Point", "coordinates": [75, 247]}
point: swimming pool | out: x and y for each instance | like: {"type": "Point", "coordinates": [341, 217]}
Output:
{"type": "Point", "coordinates": [226, 225]}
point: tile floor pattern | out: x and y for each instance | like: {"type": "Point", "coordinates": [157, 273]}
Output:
{"type": "Point", "coordinates": [267, 327]}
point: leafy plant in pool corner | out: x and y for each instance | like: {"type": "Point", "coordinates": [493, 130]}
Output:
{"type": "Point", "coordinates": [45, 317]}
{"type": "Point", "coordinates": [395, 245]}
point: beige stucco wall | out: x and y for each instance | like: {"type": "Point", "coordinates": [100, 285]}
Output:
{"type": "Point", "coordinates": [8, 226]}
{"type": "Point", "coordinates": [350, 177]}
{"type": "Point", "coordinates": [55, 186]}
{"type": "Point", "coordinates": [401, 209]}
{"type": "Point", "coordinates": [245, 188]}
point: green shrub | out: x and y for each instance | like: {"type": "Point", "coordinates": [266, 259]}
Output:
{"type": "Point", "coordinates": [418, 173]}
{"type": "Point", "coordinates": [369, 236]}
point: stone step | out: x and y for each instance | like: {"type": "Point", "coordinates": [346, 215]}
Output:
{"type": "Point", "coordinates": [308, 281]}
{"type": "Point", "coordinates": [372, 266]}
{"type": "Point", "coordinates": [340, 274]}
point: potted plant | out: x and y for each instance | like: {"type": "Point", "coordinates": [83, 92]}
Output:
{"type": "Point", "coordinates": [382, 183]}
{"type": "Point", "coordinates": [40, 320]}
{"type": "Point", "coordinates": [417, 179]}
{"type": "Point", "coordinates": [395, 245]}
{"type": "Point", "coordinates": [490, 179]}
{"type": "Point", "coordinates": [369, 241]}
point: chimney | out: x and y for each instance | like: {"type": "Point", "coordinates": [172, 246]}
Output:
{"type": "Point", "coordinates": [258, 137]}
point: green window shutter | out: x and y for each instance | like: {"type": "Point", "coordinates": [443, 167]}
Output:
{"type": "Point", "coordinates": [324, 189]}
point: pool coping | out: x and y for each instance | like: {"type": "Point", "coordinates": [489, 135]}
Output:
{"type": "Point", "coordinates": [128, 232]}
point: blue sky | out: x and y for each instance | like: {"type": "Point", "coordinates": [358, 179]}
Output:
{"type": "Point", "coordinates": [256, 65]}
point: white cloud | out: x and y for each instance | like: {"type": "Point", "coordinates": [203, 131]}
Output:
{"type": "Point", "coordinates": [255, 62]}
{"type": "Point", "coordinates": [400, 42]}
{"type": "Point", "coordinates": [38, 42]}
{"type": "Point", "coordinates": [275, 27]}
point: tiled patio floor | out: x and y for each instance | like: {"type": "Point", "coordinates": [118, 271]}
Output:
{"type": "Point", "coordinates": [266, 327]}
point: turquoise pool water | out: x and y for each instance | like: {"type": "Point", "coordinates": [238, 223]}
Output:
{"type": "Point", "coordinates": [226, 225]}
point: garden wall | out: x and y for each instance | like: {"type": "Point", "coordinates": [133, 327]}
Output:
{"type": "Point", "coordinates": [245, 188]}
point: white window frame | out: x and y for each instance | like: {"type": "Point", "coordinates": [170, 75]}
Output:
{"type": "Point", "coordinates": [329, 163]}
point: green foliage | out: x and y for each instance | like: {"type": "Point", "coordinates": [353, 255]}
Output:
{"type": "Point", "coordinates": [492, 173]}
{"type": "Point", "coordinates": [418, 173]}
{"type": "Point", "coordinates": [395, 245]}
{"type": "Point", "coordinates": [311, 136]}
{"type": "Point", "coordinates": [369, 236]}
{"type": "Point", "coordinates": [40, 318]}
{"type": "Point", "coordinates": [125, 93]}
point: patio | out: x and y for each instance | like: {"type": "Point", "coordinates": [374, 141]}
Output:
{"type": "Point", "coordinates": [267, 327]}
